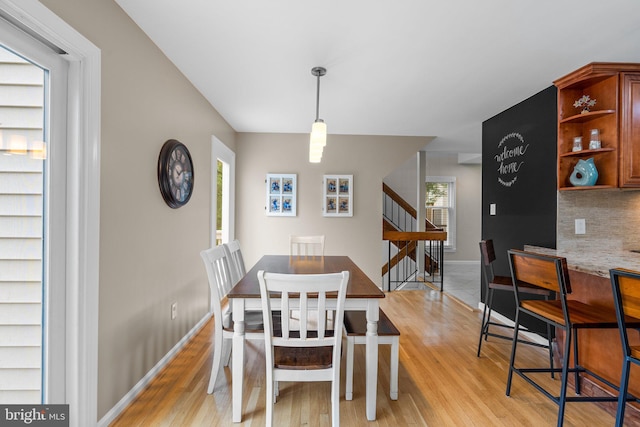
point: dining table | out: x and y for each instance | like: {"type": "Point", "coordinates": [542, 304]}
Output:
{"type": "Point", "coordinates": [362, 294]}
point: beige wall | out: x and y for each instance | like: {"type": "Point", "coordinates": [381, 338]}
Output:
{"type": "Point", "coordinates": [468, 197]}
{"type": "Point", "coordinates": [368, 158]}
{"type": "Point", "coordinates": [149, 253]}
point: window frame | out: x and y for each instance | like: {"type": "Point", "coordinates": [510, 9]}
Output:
{"type": "Point", "coordinates": [450, 244]}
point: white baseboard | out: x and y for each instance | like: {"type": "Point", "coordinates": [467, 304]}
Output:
{"type": "Point", "coordinates": [462, 262]}
{"type": "Point", "coordinates": [133, 393]}
{"type": "Point", "coordinates": [531, 336]}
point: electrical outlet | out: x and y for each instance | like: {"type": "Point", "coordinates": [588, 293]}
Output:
{"type": "Point", "coordinates": [174, 310]}
{"type": "Point", "coordinates": [581, 227]}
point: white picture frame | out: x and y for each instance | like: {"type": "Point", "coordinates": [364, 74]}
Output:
{"type": "Point", "coordinates": [281, 190]}
{"type": "Point", "coordinates": [337, 195]}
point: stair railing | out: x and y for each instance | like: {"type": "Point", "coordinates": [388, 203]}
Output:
{"type": "Point", "coordinates": [399, 223]}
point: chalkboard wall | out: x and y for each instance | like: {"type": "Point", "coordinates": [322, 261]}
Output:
{"type": "Point", "coordinates": [519, 177]}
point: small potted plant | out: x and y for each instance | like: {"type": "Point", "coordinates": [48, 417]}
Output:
{"type": "Point", "coordinates": [585, 102]}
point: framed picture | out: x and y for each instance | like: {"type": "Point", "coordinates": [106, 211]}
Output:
{"type": "Point", "coordinates": [281, 194]}
{"type": "Point", "coordinates": [337, 195]}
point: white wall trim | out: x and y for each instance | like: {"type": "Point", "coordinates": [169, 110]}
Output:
{"type": "Point", "coordinates": [113, 413]}
{"type": "Point", "coordinates": [461, 262]}
{"type": "Point", "coordinates": [83, 202]}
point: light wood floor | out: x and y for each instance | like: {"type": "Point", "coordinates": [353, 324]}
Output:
{"type": "Point", "coordinates": [441, 381]}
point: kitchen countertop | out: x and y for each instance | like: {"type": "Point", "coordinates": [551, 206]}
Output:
{"type": "Point", "coordinates": [593, 261]}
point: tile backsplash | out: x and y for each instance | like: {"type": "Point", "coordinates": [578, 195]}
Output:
{"type": "Point", "coordinates": [612, 220]}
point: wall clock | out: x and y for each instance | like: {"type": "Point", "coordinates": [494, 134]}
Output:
{"type": "Point", "coordinates": [175, 173]}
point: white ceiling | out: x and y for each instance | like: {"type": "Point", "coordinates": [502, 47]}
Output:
{"type": "Point", "coordinates": [394, 67]}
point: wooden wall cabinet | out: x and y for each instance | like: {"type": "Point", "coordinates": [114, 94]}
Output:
{"type": "Point", "coordinates": [616, 114]}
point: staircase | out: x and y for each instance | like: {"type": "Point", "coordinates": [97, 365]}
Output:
{"type": "Point", "coordinates": [399, 228]}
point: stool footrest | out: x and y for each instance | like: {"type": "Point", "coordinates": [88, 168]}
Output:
{"type": "Point", "coordinates": [580, 369]}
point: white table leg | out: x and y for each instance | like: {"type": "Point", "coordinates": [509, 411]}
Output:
{"type": "Point", "coordinates": [372, 359]}
{"type": "Point", "coordinates": [348, 389]}
{"type": "Point", "coordinates": [393, 376]}
{"type": "Point", "coordinates": [238, 358]}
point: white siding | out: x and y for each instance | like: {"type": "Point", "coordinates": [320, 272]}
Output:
{"type": "Point", "coordinates": [20, 357]}
{"type": "Point", "coordinates": [18, 397]}
{"type": "Point", "coordinates": [20, 292]}
{"type": "Point", "coordinates": [21, 210]}
{"type": "Point", "coordinates": [20, 314]}
{"type": "Point", "coordinates": [25, 379]}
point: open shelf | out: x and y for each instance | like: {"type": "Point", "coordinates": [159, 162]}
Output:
{"type": "Point", "coordinates": [586, 117]}
{"type": "Point", "coordinates": [587, 153]}
{"type": "Point", "coordinates": [592, 187]}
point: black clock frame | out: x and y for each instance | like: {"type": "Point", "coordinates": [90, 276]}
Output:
{"type": "Point", "coordinates": [164, 173]}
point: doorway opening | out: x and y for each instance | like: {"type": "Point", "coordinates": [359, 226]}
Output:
{"type": "Point", "coordinates": [223, 163]}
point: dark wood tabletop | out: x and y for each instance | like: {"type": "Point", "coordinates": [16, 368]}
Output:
{"type": "Point", "coordinates": [360, 286]}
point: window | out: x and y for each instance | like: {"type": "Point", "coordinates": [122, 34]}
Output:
{"type": "Point", "coordinates": [223, 162]}
{"type": "Point", "coordinates": [32, 218]}
{"type": "Point", "coordinates": [440, 201]}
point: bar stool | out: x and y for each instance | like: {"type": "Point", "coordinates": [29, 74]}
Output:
{"type": "Point", "coordinates": [551, 272]}
{"type": "Point", "coordinates": [626, 296]}
{"type": "Point", "coordinates": [493, 283]}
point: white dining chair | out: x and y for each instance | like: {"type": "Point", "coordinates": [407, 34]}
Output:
{"type": "Point", "coordinates": [306, 246]}
{"type": "Point", "coordinates": [216, 262]}
{"type": "Point", "coordinates": [236, 260]}
{"type": "Point", "coordinates": [302, 351]}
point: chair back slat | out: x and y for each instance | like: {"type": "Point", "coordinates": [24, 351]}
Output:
{"type": "Point", "coordinates": [488, 255]}
{"type": "Point", "coordinates": [306, 246]}
{"type": "Point", "coordinates": [630, 292]}
{"type": "Point", "coordinates": [626, 291]}
{"type": "Point", "coordinates": [547, 272]}
{"type": "Point", "coordinates": [285, 306]}
{"type": "Point", "coordinates": [322, 313]}
{"type": "Point", "coordinates": [236, 261]}
{"type": "Point", "coordinates": [219, 275]}
{"type": "Point", "coordinates": [487, 251]}
{"type": "Point", "coordinates": [312, 292]}
{"type": "Point", "coordinates": [304, 316]}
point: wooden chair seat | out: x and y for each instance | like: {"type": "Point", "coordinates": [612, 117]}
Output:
{"type": "Point", "coordinates": [583, 316]}
{"type": "Point", "coordinates": [301, 358]}
{"type": "Point", "coordinates": [501, 283]}
{"type": "Point", "coordinates": [355, 328]}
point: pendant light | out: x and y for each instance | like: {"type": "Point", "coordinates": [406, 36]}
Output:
{"type": "Point", "coordinates": [318, 137]}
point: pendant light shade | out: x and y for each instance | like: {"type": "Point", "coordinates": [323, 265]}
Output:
{"type": "Point", "coordinates": [318, 137]}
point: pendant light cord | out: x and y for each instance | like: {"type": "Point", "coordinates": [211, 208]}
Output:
{"type": "Point", "coordinates": [318, 97]}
